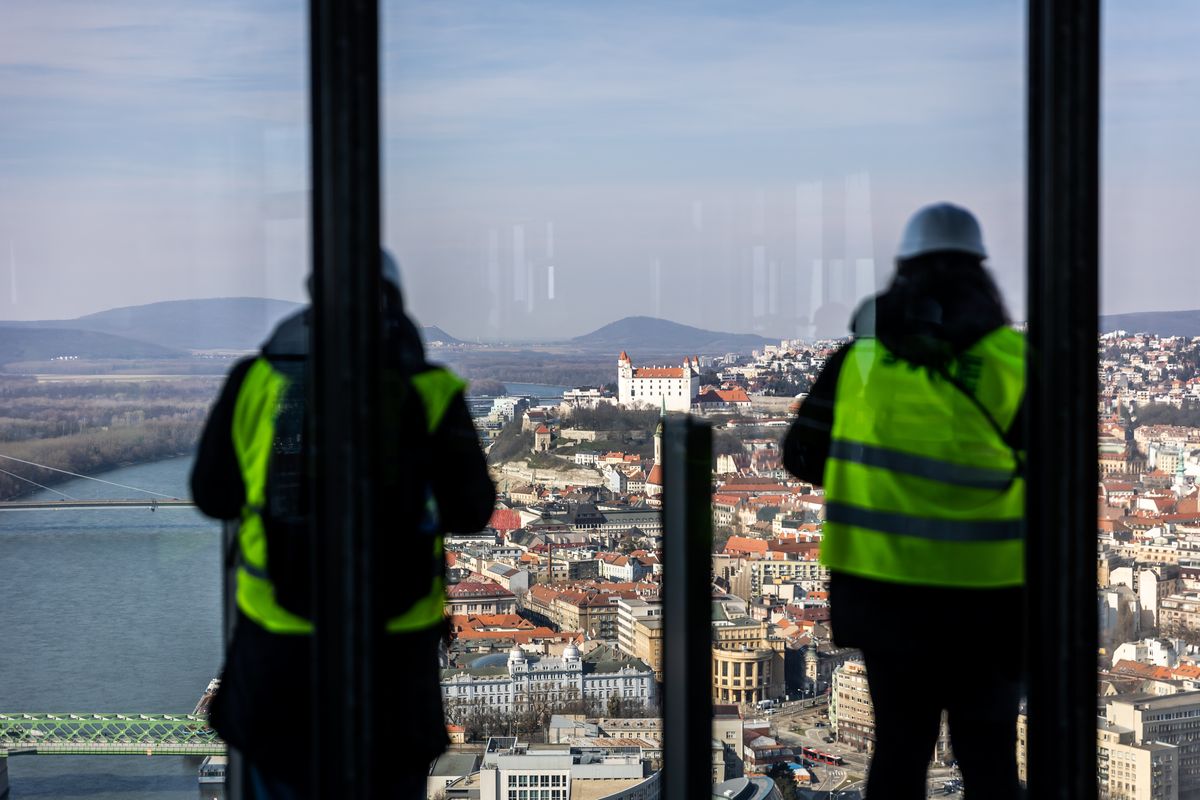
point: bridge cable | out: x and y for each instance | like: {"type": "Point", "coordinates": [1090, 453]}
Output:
{"type": "Point", "coordinates": [88, 477]}
{"type": "Point", "coordinates": [35, 483]}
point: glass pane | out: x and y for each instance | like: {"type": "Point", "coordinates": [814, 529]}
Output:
{"type": "Point", "coordinates": [153, 225]}
{"type": "Point", "coordinates": [1149, 409]}
{"type": "Point", "coordinates": [673, 209]}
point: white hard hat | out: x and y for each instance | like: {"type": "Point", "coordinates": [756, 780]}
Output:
{"type": "Point", "coordinates": [941, 227]}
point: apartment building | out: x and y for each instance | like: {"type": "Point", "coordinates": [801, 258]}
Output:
{"type": "Point", "coordinates": [1127, 770]}
{"type": "Point", "coordinates": [754, 575]}
{"type": "Point", "coordinates": [639, 631]}
{"type": "Point", "coordinates": [1171, 720]}
{"type": "Point", "coordinates": [1179, 612]}
{"type": "Point", "coordinates": [852, 718]}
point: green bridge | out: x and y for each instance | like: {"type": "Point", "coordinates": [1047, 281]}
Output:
{"type": "Point", "coordinates": [107, 734]}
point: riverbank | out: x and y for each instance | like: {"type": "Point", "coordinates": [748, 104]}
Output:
{"type": "Point", "coordinates": [110, 610]}
{"type": "Point", "coordinates": [92, 452]}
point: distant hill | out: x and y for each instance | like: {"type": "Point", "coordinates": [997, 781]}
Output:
{"type": "Point", "coordinates": [1163, 323]}
{"type": "Point", "coordinates": [432, 333]}
{"type": "Point", "coordinates": [227, 323]}
{"type": "Point", "coordinates": [648, 334]}
{"type": "Point", "coordinates": [43, 344]}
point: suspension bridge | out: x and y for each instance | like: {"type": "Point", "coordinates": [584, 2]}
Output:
{"type": "Point", "coordinates": [151, 499]}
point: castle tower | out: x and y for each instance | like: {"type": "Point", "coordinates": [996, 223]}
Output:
{"type": "Point", "coordinates": [624, 378]}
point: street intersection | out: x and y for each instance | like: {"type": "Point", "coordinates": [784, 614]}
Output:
{"type": "Point", "coordinates": [803, 723]}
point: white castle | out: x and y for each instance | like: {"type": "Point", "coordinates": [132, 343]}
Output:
{"type": "Point", "coordinates": [672, 388]}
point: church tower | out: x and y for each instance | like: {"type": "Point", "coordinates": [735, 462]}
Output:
{"type": "Point", "coordinates": [654, 481]}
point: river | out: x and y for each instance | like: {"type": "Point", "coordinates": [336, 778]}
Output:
{"type": "Point", "coordinates": [109, 610]}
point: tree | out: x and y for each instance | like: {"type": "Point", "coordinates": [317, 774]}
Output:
{"type": "Point", "coordinates": [784, 781]}
{"type": "Point", "coordinates": [726, 443]}
{"type": "Point", "coordinates": [721, 538]}
{"type": "Point", "coordinates": [573, 702]}
{"type": "Point", "coordinates": [1163, 414]}
{"type": "Point", "coordinates": [511, 443]}
{"type": "Point", "coordinates": [479, 719]}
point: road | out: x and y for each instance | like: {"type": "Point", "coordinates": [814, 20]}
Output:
{"type": "Point", "coordinates": [800, 723]}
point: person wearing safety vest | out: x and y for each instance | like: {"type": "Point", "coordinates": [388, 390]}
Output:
{"type": "Point", "coordinates": [241, 473]}
{"type": "Point", "coordinates": [915, 430]}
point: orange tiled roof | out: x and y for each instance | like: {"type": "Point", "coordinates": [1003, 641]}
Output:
{"type": "Point", "coordinates": [733, 395]}
{"type": "Point", "coordinates": [505, 519]}
{"type": "Point", "coordinates": [655, 478]}
{"type": "Point", "coordinates": [745, 544]}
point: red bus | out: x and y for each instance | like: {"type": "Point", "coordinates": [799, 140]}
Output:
{"type": "Point", "coordinates": [812, 754]}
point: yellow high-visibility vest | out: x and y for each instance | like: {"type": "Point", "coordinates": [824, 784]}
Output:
{"type": "Point", "coordinates": [920, 486]}
{"type": "Point", "coordinates": [254, 418]}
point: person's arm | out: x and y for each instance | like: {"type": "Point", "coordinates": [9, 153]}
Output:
{"type": "Point", "coordinates": [806, 447]}
{"type": "Point", "coordinates": [461, 484]}
{"type": "Point", "coordinates": [217, 486]}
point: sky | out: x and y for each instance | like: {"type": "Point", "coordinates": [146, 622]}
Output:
{"type": "Point", "coordinates": [550, 167]}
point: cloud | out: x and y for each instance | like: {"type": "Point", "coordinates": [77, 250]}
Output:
{"type": "Point", "coordinates": [144, 147]}
{"type": "Point", "coordinates": [147, 147]}
{"type": "Point", "coordinates": [154, 65]}
{"type": "Point", "coordinates": [615, 71]}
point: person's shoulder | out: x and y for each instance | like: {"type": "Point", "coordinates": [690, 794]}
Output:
{"type": "Point", "coordinates": [290, 337]}
{"type": "Point", "coordinates": [436, 371]}
{"type": "Point", "coordinates": [237, 373]}
{"type": "Point", "coordinates": [833, 361]}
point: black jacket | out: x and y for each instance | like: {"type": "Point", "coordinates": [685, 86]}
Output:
{"type": "Point", "coordinates": [263, 705]}
{"type": "Point", "coordinates": [925, 319]}
{"type": "Point", "coordinates": [457, 467]}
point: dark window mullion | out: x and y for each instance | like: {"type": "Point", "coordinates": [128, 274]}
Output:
{"type": "Point", "coordinates": [346, 342]}
{"type": "Point", "coordinates": [1063, 218]}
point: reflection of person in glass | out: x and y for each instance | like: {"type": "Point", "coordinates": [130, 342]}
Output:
{"type": "Point", "coordinates": [251, 467]}
{"type": "Point", "coordinates": [914, 428]}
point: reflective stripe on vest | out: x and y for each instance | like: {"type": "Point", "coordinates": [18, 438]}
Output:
{"type": "Point", "coordinates": [253, 438]}
{"type": "Point", "coordinates": [920, 487]}
{"type": "Point", "coordinates": [438, 388]}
